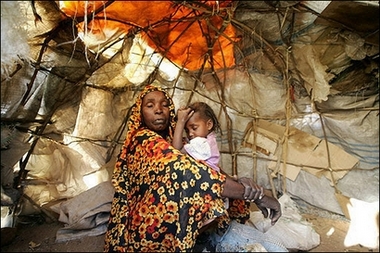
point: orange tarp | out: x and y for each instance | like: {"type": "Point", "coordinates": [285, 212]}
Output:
{"type": "Point", "coordinates": [190, 35]}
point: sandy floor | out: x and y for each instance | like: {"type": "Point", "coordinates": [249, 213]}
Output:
{"type": "Point", "coordinates": [36, 235]}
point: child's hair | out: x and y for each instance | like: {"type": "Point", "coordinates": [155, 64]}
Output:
{"type": "Point", "coordinates": [206, 112]}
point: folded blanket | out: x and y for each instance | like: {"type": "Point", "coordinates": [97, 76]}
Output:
{"type": "Point", "coordinates": [86, 214]}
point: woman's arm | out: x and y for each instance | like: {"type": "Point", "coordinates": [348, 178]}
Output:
{"type": "Point", "coordinates": [236, 190]}
{"type": "Point", "coordinates": [245, 188]}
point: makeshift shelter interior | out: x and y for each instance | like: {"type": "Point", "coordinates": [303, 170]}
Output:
{"type": "Point", "coordinates": [295, 85]}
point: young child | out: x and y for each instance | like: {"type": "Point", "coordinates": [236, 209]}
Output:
{"type": "Point", "coordinates": [200, 124]}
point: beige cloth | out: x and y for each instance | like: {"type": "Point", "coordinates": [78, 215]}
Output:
{"type": "Point", "coordinates": [86, 214]}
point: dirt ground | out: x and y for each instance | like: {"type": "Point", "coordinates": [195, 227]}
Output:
{"type": "Point", "coordinates": [34, 234]}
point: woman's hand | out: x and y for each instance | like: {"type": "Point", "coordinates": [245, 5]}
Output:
{"type": "Point", "coordinates": [252, 191]}
{"type": "Point", "coordinates": [273, 205]}
{"type": "Point", "coordinates": [245, 188]}
{"type": "Point", "coordinates": [255, 193]}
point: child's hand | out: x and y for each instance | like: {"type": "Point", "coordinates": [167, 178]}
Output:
{"type": "Point", "coordinates": [184, 114]}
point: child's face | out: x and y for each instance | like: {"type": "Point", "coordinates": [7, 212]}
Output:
{"type": "Point", "coordinates": [155, 111]}
{"type": "Point", "coordinates": [197, 126]}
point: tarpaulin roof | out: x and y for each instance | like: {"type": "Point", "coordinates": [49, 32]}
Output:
{"type": "Point", "coordinates": [189, 34]}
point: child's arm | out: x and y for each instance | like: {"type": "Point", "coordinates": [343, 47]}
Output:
{"type": "Point", "coordinates": [183, 114]}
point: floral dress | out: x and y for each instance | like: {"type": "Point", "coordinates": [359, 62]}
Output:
{"type": "Point", "coordinates": [161, 195]}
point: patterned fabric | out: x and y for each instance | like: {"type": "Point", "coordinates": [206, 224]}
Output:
{"type": "Point", "coordinates": [206, 149]}
{"type": "Point", "coordinates": [238, 210]}
{"type": "Point", "coordinates": [161, 195]}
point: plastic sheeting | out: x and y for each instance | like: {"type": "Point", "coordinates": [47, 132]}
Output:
{"type": "Point", "coordinates": [85, 215]}
{"type": "Point", "coordinates": [244, 238]}
{"type": "Point", "coordinates": [300, 234]}
{"type": "Point", "coordinates": [325, 84]}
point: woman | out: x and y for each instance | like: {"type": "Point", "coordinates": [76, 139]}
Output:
{"type": "Point", "coordinates": [161, 195]}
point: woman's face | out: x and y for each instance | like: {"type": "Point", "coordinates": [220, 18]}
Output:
{"type": "Point", "coordinates": [197, 126]}
{"type": "Point", "coordinates": [155, 111]}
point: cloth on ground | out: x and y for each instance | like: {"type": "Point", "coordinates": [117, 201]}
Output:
{"type": "Point", "coordinates": [86, 214]}
{"type": "Point", "coordinates": [245, 238]}
{"type": "Point", "coordinates": [291, 230]}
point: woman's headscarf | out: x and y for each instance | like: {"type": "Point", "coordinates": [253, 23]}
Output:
{"type": "Point", "coordinates": [135, 118]}
{"type": "Point", "coordinates": [134, 124]}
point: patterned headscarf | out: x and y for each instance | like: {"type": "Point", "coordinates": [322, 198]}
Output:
{"type": "Point", "coordinates": [135, 121]}
{"type": "Point", "coordinates": [134, 124]}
